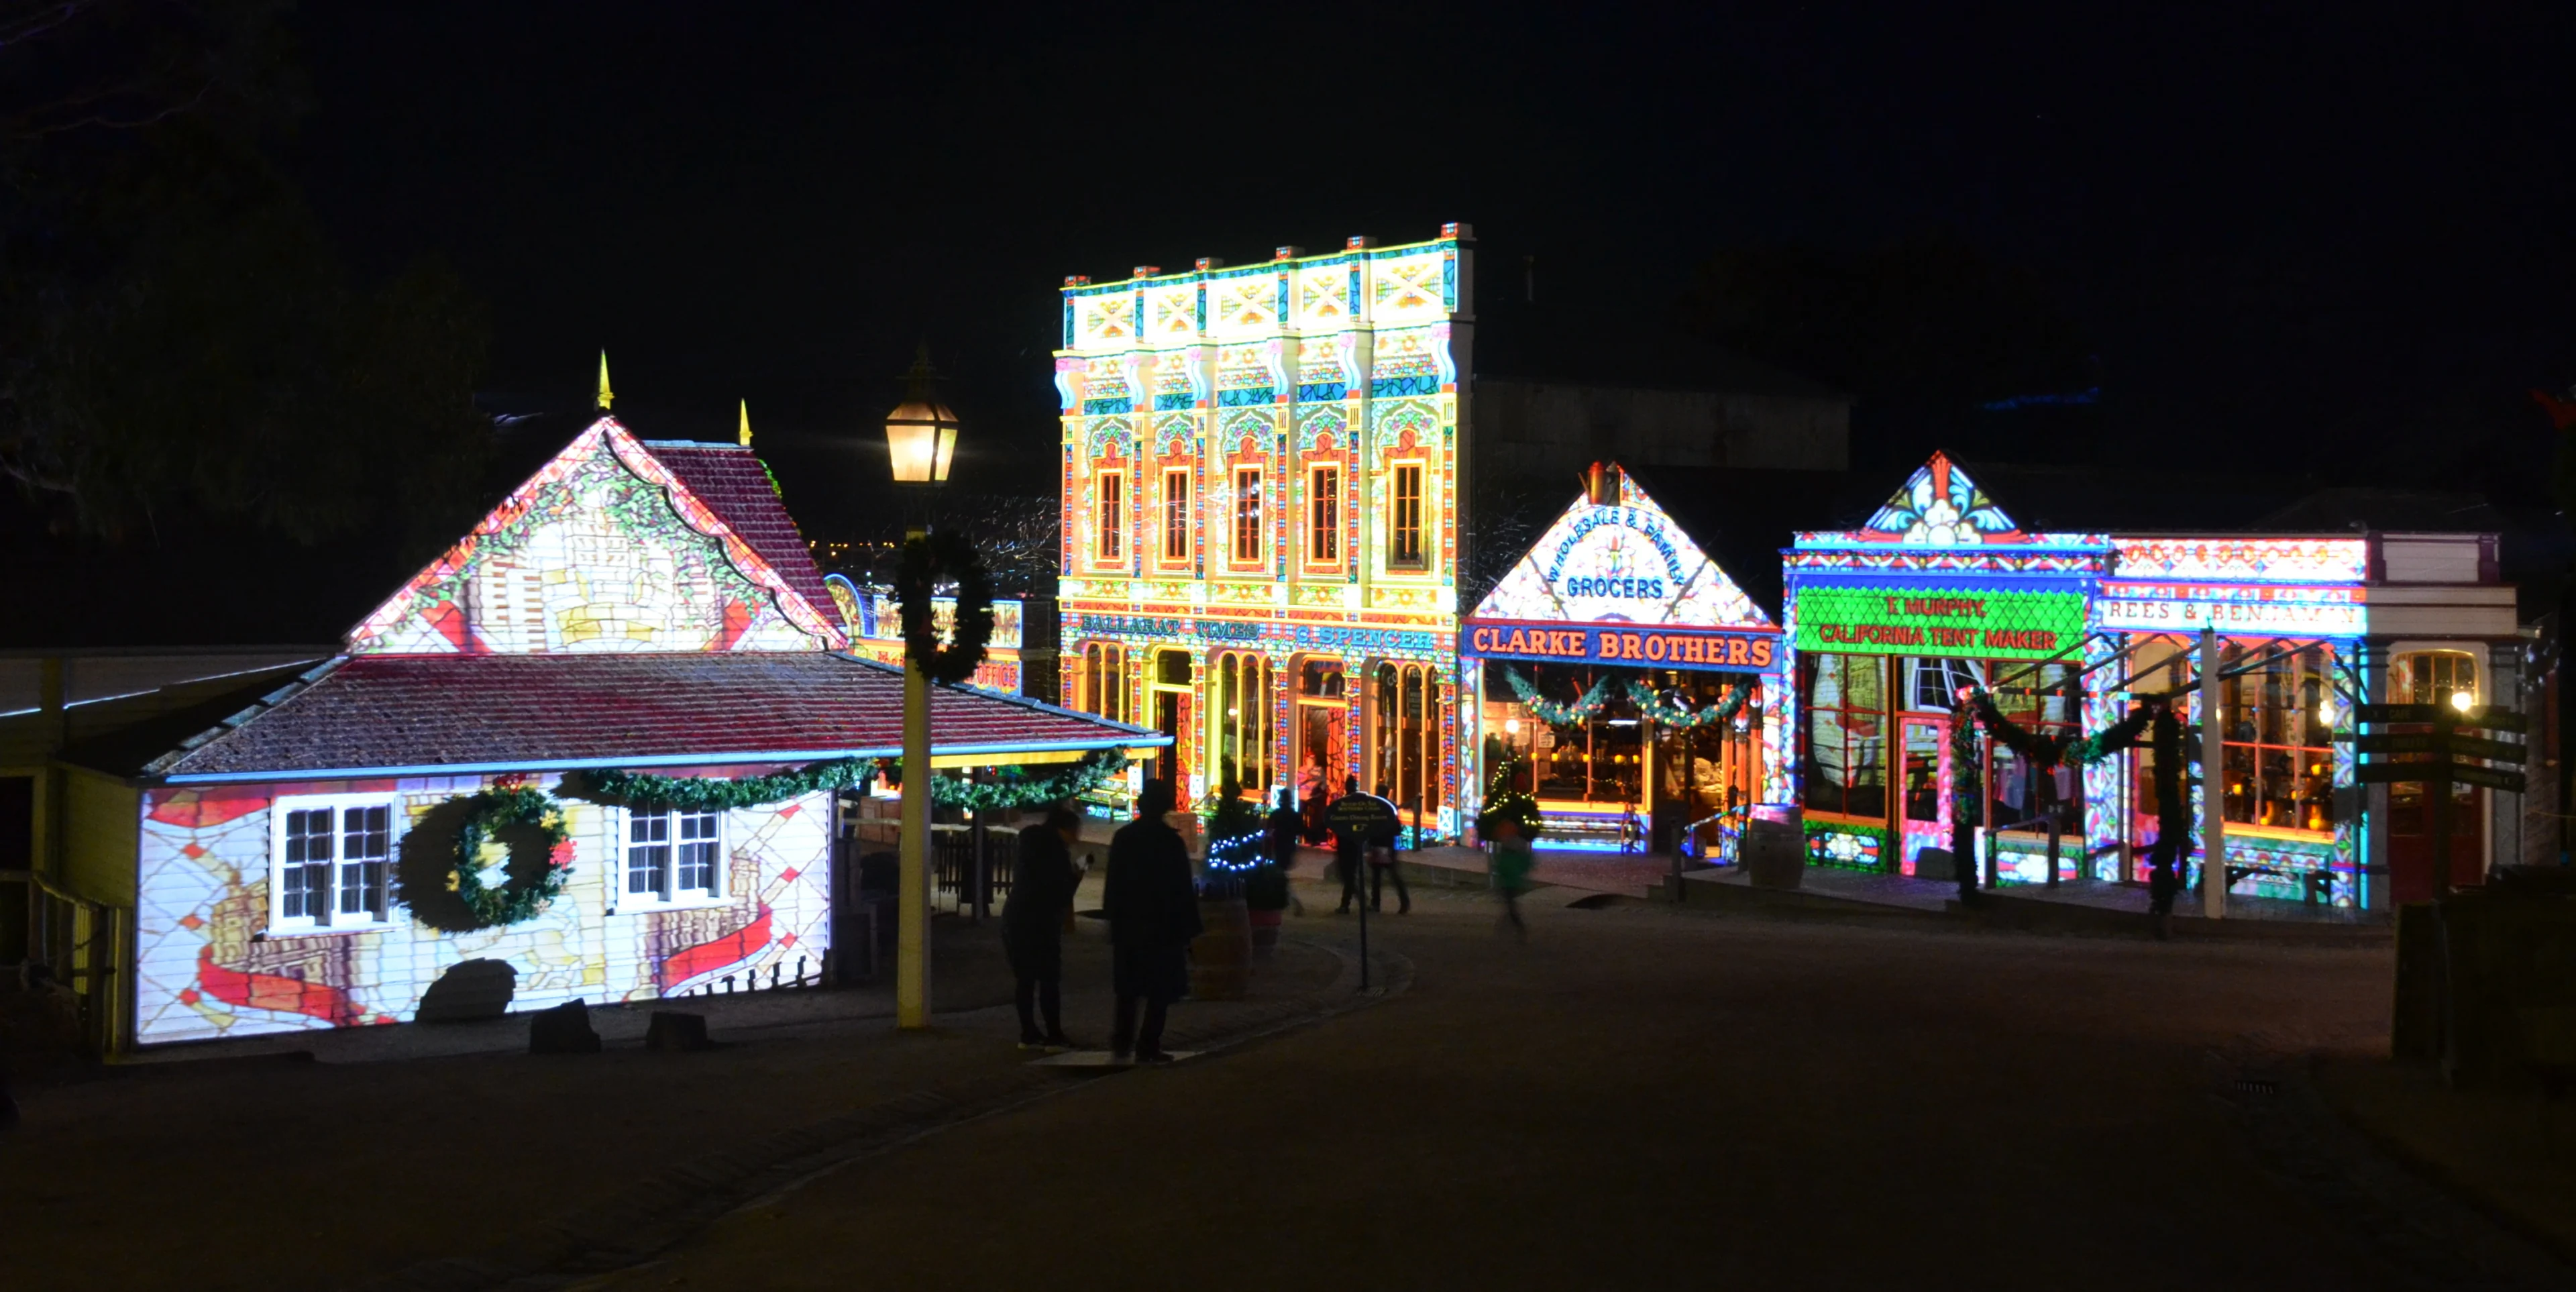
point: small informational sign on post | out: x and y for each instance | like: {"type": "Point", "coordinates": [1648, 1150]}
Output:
{"type": "Point", "coordinates": [1365, 816]}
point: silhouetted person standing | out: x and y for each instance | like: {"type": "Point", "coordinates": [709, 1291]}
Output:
{"type": "Point", "coordinates": [1280, 835]}
{"type": "Point", "coordinates": [1153, 913]}
{"type": "Point", "coordinates": [1042, 884]}
{"type": "Point", "coordinates": [1347, 846]}
{"type": "Point", "coordinates": [1383, 866]}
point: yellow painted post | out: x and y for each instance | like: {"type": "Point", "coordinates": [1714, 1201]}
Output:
{"type": "Point", "coordinates": [912, 917]}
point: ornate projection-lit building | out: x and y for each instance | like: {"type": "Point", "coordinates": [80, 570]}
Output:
{"type": "Point", "coordinates": [1262, 475]}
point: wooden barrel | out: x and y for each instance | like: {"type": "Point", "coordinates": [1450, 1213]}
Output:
{"type": "Point", "coordinates": [1221, 957]}
{"type": "Point", "coordinates": [1265, 935]}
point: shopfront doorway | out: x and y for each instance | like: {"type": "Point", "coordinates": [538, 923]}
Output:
{"type": "Point", "coordinates": [1170, 690]}
{"type": "Point", "coordinates": [1323, 730]}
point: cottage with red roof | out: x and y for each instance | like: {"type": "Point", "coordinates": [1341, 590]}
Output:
{"type": "Point", "coordinates": [591, 752]}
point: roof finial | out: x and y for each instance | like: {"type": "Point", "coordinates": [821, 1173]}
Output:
{"type": "Point", "coordinates": [605, 394]}
{"type": "Point", "coordinates": [746, 424]}
{"type": "Point", "coordinates": [921, 380]}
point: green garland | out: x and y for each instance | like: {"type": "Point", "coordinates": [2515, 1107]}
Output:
{"type": "Point", "coordinates": [1553, 713]}
{"type": "Point", "coordinates": [520, 897]}
{"type": "Point", "coordinates": [928, 558]}
{"type": "Point", "coordinates": [2050, 751]}
{"type": "Point", "coordinates": [701, 793]}
{"type": "Point", "coordinates": [1676, 716]}
{"type": "Point", "coordinates": [1017, 788]}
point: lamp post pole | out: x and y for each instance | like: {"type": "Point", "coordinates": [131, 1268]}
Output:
{"type": "Point", "coordinates": [912, 920]}
{"type": "Point", "coordinates": [921, 434]}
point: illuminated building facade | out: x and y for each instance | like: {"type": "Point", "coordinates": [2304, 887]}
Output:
{"type": "Point", "coordinates": [1262, 481]}
{"type": "Point", "coordinates": [1616, 595]}
{"type": "Point", "coordinates": [279, 855]}
{"type": "Point", "coordinates": [1941, 588]}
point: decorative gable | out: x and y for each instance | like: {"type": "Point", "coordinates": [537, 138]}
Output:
{"type": "Point", "coordinates": [604, 549]}
{"type": "Point", "coordinates": [1629, 564]}
{"type": "Point", "coordinates": [1941, 507]}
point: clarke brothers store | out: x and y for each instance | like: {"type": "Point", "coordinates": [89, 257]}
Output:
{"type": "Point", "coordinates": [1624, 678]}
{"type": "Point", "coordinates": [1941, 589]}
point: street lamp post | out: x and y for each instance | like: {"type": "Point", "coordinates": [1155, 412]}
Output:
{"type": "Point", "coordinates": [921, 436]}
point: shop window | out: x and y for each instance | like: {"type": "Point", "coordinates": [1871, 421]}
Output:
{"type": "Point", "coordinates": [1245, 693]}
{"type": "Point", "coordinates": [2279, 751]}
{"type": "Point", "coordinates": [1324, 516]}
{"type": "Point", "coordinates": [1404, 527]}
{"type": "Point", "coordinates": [328, 856]}
{"type": "Point", "coordinates": [1932, 685]}
{"type": "Point", "coordinates": [1406, 707]}
{"type": "Point", "coordinates": [673, 858]}
{"type": "Point", "coordinates": [1109, 516]}
{"type": "Point", "coordinates": [1247, 515]}
{"type": "Point", "coordinates": [1176, 516]}
{"type": "Point", "coordinates": [2435, 677]}
{"type": "Point", "coordinates": [1105, 678]}
{"type": "Point", "coordinates": [2046, 699]}
{"type": "Point", "coordinates": [1846, 734]}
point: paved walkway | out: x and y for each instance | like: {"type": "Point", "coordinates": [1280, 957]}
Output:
{"type": "Point", "coordinates": [1640, 1099]}
{"type": "Point", "coordinates": [272, 1169]}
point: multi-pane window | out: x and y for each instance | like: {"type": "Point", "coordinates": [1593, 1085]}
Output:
{"type": "Point", "coordinates": [1109, 516]}
{"type": "Point", "coordinates": [1247, 514]}
{"type": "Point", "coordinates": [1176, 515]}
{"type": "Point", "coordinates": [1324, 515]}
{"type": "Point", "coordinates": [2048, 700]}
{"type": "Point", "coordinates": [1404, 528]}
{"type": "Point", "coordinates": [1105, 675]}
{"type": "Point", "coordinates": [1846, 734]}
{"type": "Point", "coordinates": [329, 862]}
{"type": "Point", "coordinates": [2280, 752]}
{"type": "Point", "coordinates": [672, 856]}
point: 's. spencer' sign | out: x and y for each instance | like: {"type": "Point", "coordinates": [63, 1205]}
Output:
{"type": "Point", "coordinates": [1663, 647]}
{"type": "Point", "coordinates": [1887, 621]}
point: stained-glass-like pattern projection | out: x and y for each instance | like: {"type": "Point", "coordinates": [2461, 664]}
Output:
{"type": "Point", "coordinates": [1848, 847]}
{"type": "Point", "coordinates": [210, 964]}
{"type": "Point", "coordinates": [1940, 506]}
{"type": "Point", "coordinates": [1624, 564]}
{"type": "Point", "coordinates": [604, 549]}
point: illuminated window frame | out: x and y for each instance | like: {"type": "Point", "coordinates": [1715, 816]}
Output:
{"type": "Point", "coordinates": [1176, 515]}
{"type": "Point", "coordinates": [1324, 514]}
{"type": "Point", "coordinates": [678, 854]}
{"type": "Point", "coordinates": [1247, 546]}
{"type": "Point", "coordinates": [1109, 516]}
{"type": "Point", "coordinates": [364, 881]}
{"type": "Point", "coordinates": [1407, 545]}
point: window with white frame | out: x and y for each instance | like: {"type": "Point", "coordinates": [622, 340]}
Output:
{"type": "Point", "coordinates": [329, 855]}
{"type": "Point", "coordinates": [673, 857]}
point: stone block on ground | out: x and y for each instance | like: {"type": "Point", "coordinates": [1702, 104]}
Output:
{"type": "Point", "coordinates": [470, 991]}
{"type": "Point", "coordinates": [565, 1029]}
{"type": "Point", "coordinates": [675, 1032]}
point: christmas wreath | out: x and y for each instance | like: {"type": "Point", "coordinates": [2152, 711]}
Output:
{"type": "Point", "coordinates": [929, 560]}
{"type": "Point", "coordinates": [528, 888]}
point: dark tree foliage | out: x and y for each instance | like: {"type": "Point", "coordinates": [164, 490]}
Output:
{"type": "Point", "coordinates": [1928, 320]}
{"type": "Point", "coordinates": [179, 344]}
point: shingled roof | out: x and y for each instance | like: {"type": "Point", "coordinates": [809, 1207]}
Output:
{"type": "Point", "coordinates": [462, 714]}
{"type": "Point", "coordinates": [728, 479]}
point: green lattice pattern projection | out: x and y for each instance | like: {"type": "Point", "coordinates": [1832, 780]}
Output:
{"type": "Point", "coordinates": [1931, 620]}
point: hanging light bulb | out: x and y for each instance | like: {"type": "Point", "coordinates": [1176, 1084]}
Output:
{"type": "Point", "coordinates": [2326, 712]}
{"type": "Point", "coordinates": [2460, 700]}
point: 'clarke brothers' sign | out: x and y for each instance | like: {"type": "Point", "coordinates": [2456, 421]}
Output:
{"type": "Point", "coordinates": [1990, 624]}
{"type": "Point", "coordinates": [1639, 644]}
{"type": "Point", "coordinates": [2233, 608]}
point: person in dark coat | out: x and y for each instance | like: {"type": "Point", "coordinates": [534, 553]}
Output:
{"type": "Point", "coordinates": [1042, 883]}
{"type": "Point", "coordinates": [1153, 911]}
{"type": "Point", "coordinates": [1283, 830]}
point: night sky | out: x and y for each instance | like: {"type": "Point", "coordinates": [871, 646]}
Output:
{"type": "Point", "coordinates": [2297, 236]}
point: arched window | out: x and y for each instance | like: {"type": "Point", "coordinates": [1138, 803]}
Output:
{"type": "Point", "coordinates": [1104, 680]}
{"type": "Point", "coordinates": [1406, 762]}
{"type": "Point", "coordinates": [1246, 689]}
